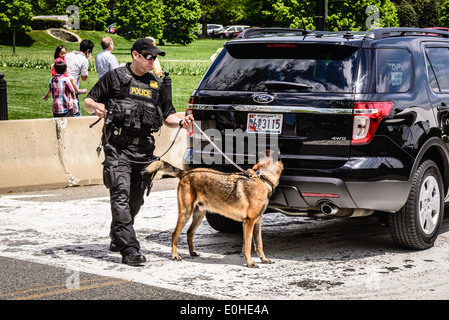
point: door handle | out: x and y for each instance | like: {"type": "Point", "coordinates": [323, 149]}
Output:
{"type": "Point", "coordinates": [443, 107]}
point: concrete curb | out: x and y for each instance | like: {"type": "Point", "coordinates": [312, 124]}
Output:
{"type": "Point", "coordinates": [55, 153]}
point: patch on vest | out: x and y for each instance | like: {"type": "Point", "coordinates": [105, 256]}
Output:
{"type": "Point", "coordinates": [135, 91]}
{"type": "Point", "coordinates": [153, 84]}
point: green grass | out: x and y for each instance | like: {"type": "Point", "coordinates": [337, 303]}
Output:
{"type": "Point", "coordinates": [25, 88]}
{"type": "Point", "coordinates": [38, 41]}
{"type": "Point", "coordinates": [27, 73]}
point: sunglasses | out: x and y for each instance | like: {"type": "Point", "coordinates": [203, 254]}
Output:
{"type": "Point", "coordinates": [148, 56]}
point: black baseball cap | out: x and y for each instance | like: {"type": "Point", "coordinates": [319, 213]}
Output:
{"type": "Point", "coordinates": [148, 45]}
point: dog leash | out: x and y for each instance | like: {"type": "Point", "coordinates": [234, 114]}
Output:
{"type": "Point", "coordinates": [246, 173]}
{"type": "Point", "coordinates": [106, 137]}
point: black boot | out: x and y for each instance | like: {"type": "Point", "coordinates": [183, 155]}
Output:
{"type": "Point", "coordinates": [113, 247]}
{"type": "Point", "coordinates": [135, 258]}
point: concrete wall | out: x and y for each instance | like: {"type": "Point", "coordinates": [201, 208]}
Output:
{"type": "Point", "coordinates": [54, 153]}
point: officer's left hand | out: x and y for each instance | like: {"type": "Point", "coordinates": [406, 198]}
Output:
{"type": "Point", "coordinates": [187, 121]}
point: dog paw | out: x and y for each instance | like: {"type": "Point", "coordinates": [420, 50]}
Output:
{"type": "Point", "coordinates": [194, 254]}
{"type": "Point", "coordinates": [176, 258]}
{"type": "Point", "coordinates": [252, 264]}
{"type": "Point", "coordinates": [268, 261]}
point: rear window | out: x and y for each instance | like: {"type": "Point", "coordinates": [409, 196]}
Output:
{"type": "Point", "coordinates": [297, 67]}
{"type": "Point", "coordinates": [310, 68]}
{"type": "Point", "coordinates": [384, 71]}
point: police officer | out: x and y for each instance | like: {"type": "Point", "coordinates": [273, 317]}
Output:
{"type": "Point", "coordinates": [134, 104]}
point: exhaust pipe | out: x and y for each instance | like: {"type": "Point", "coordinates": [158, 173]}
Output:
{"type": "Point", "coordinates": [328, 208]}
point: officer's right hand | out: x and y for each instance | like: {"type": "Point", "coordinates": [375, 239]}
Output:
{"type": "Point", "coordinates": [100, 110]}
{"type": "Point", "coordinates": [92, 106]}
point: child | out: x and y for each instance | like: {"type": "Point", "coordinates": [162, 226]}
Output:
{"type": "Point", "coordinates": [61, 89]}
{"type": "Point", "coordinates": [60, 54]}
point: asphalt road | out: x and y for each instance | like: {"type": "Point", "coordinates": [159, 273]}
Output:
{"type": "Point", "coordinates": [54, 245]}
{"type": "Point", "coordinates": [25, 280]}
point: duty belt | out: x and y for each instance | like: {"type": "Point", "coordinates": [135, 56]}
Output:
{"type": "Point", "coordinates": [123, 140]}
{"type": "Point", "coordinates": [138, 141]}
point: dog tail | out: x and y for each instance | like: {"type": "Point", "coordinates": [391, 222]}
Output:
{"type": "Point", "coordinates": [164, 166]}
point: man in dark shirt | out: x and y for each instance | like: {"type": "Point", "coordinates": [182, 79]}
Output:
{"type": "Point", "coordinates": [134, 104]}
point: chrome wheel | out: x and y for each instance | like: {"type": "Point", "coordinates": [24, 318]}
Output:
{"type": "Point", "coordinates": [429, 205]}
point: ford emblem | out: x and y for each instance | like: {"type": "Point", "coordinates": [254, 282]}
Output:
{"type": "Point", "coordinates": [263, 98]}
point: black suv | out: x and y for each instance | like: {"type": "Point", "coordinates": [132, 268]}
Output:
{"type": "Point", "coordinates": [360, 119]}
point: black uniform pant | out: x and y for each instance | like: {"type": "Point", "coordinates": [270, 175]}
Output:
{"type": "Point", "coordinates": [127, 187]}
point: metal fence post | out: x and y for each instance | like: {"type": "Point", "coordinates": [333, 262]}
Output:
{"type": "Point", "coordinates": [3, 99]}
{"type": "Point", "coordinates": [321, 13]}
{"type": "Point", "coordinates": [166, 81]}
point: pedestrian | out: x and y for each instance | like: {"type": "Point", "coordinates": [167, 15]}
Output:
{"type": "Point", "coordinates": [135, 104]}
{"type": "Point", "coordinates": [105, 61]}
{"type": "Point", "coordinates": [78, 64]}
{"type": "Point", "coordinates": [61, 89]}
{"type": "Point", "coordinates": [60, 54]}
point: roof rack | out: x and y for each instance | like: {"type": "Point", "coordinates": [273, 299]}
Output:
{"type": "Point", "coordinates": [381, 33]}
{"type": "Point", "coordinates": [257, 32]}
{"type": "Point", "coordinates": [376, 33]}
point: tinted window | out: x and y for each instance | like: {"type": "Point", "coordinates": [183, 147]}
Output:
{"type": "Point", "coordinates": [438, 68]}
{"type": "Point", "coordinates": [313, 68]}
{"type": "Point", "coordinates": [431, 76]}
{"type": "Point", "coordinates": [384, 71]}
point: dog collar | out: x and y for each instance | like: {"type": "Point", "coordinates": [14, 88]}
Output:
{"type": "Point", "coordinates": [264, 179]}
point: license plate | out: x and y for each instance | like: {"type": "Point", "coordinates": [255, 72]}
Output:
{"type": "Point", "coordinates": [264, 123]}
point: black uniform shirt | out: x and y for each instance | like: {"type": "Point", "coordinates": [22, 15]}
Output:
{"type": "Point", "coordinates": [108, 87]}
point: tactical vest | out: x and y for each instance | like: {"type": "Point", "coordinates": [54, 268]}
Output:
{"type": "Point", "coordinates": [135, 110]}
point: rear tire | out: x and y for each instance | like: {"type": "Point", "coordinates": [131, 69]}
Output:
{"type": "Point", "coordinates": [223, 224]}
{"type": "Point", "coordinates": [416, 225]}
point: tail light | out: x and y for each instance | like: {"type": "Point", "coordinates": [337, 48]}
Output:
{"type": "Point", "coordinates": [319, 195]}
{"type": "Point", "coordinates": [367, 116]}
{"type": "Point", "coordinates": [280, 45]}
{"type": "Point", "coordinates": [189, 110]}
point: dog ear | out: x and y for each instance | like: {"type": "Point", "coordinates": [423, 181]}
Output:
{"type": "Point", "coordinates": [275, 155]}
{"type": "Point", "coordinates": [278, 154]}
{"type": "Point", "coordinates": [265, 153]}
{"type": "Point", "coordinates": [269, 152]}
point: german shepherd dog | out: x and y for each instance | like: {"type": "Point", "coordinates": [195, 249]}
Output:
{"type": "Point", "coordinates": [233, 195]}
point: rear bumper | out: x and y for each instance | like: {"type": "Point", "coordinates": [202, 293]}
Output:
{"type": "Point", "coordinates": [302, 192]}
{"type": "Point", "coordinates": [379, 184]}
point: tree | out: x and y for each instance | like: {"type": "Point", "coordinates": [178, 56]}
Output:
{"type": "Point", "coordinates": [407, 15]}
{"type": "Point", "coordinates": [93, 12]}
{"type": "Point", "coordinates": [182, 17]}
{"type": "Point", "coordinates": [342, 15]}
{"type": "Point", "coordinates": [15, 15]}
{"type": "Point", "coordinates": [422, 13]}
{"type": "Point", "coordinates": [138, 19]}
{"type": "Point", "coordinates": [230, 11]}
{"type": "Point", "coordinates": [254, 13]}
{"type": "Point", "coordinates": [44, 7]}
{"type": "Point", "coordinates": [444, 14]}
{"type": "Point", "coordinates": [427, 12]}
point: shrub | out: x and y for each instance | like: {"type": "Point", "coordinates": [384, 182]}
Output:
{"type": "Point", "coordinates": [87, 24]}
{"type": "Point", "coordinates": [36, 61]}
{"type": "Point", "coordinates": [44, 24]}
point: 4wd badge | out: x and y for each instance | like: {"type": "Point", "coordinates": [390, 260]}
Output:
{"type": "Point", "coordinates": [263, 98]}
